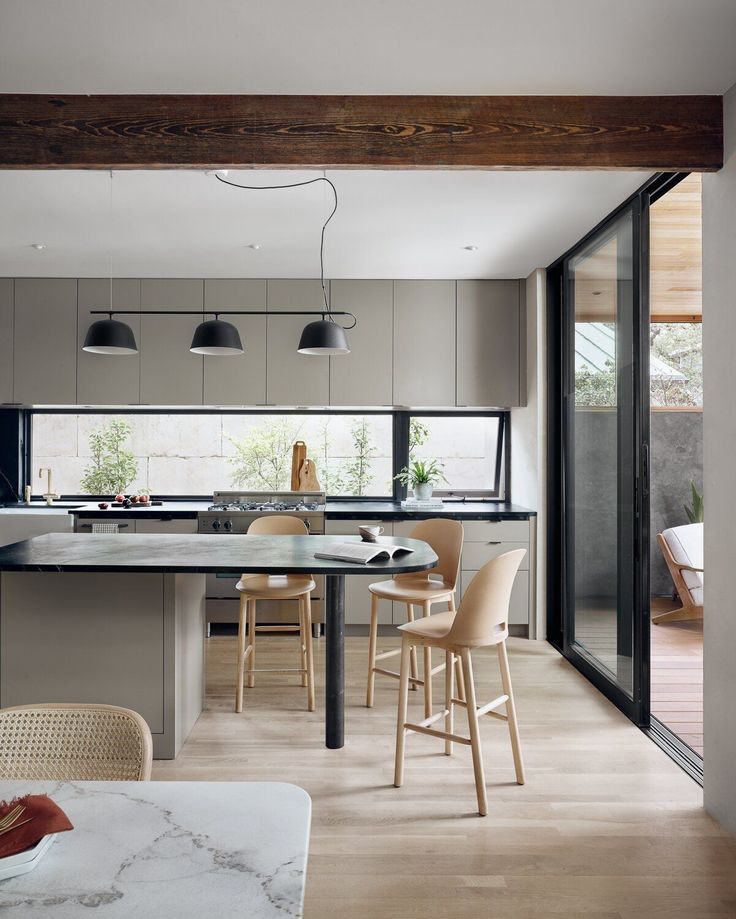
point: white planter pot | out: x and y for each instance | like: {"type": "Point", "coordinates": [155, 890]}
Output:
{"type": "Point", "coordinates": [423, 492]}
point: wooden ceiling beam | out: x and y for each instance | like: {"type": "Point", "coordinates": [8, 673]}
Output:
{"type": "Point", "coordinates": [662, 133]}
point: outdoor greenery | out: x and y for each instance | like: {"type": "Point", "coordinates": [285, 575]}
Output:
{"type": "Point", "coordinates": [677, 344]}
{"type": "Point", "coordinates": [421, 472]}
{"type": "Point", "coordinates": [680, 345]}
{"type": "Point", "coordinates": [695, 511]}
{"type": "Point", "coordinates": [418, 435]}
{"type": "Point", "coordinates": [112, 467]}
{"type": "Point", "coordinates": [262, 459]}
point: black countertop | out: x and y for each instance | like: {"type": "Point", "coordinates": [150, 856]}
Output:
{"type": "Point", "coordinates": [200, 554]}
{"type": "Point", "coordinates": [335, 510]}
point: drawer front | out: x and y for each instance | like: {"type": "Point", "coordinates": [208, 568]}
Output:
{"type": "Point", "coordinates": [476, 554]}
{"type": "Point", "coordinates": [177, 525]}
{"type": "Point", "coordinates": [502, 530]}
{"type": "Point", "coordinates": [519, 605]}
{"type": "Point", "coordinates": [85, 526]}
{"type": "Point", "coordinates": [350, 527]}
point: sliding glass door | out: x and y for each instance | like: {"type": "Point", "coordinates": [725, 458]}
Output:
{"type": "Point", "coordinates": [603, 444]}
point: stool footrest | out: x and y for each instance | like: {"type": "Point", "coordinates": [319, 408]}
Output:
{"type": "Point", "coordinates": [384, 654]}
{"type": "Point", "coordinates": [412, 679]}
{"type": "Point", "coordinates": [276, 670]}
{"type": "Point", "coordinates": [443, 735]}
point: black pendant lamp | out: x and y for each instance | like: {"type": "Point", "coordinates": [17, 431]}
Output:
{"type": "Point", "coordinates": [217, 338]}
{"type": "Point", "coordinates": [110, 336]}
{"type": "Point", "coordinates": [325, 337]}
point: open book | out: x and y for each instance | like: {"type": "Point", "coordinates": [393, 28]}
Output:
{"type": "Point", "coordinates": [360, 552]}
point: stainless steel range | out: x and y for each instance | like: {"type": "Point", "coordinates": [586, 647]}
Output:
{"type": "Point", "coordinates": [233, 512]}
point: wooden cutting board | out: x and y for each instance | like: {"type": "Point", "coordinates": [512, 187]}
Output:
{"type": "Point", "coordinates": [308, 480]}
{"type": "Point", "coordinates": [298, 456]}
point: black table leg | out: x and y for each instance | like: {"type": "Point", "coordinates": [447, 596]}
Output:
{"type": "Point", "coordinates": [335, 664]}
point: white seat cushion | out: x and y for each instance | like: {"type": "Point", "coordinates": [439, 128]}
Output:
{"type": "Point", "coordinates": [686, 545]}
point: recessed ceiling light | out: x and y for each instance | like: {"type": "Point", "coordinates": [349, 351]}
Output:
{"type": "Point", "coordinates": [253, 246]}
{"type": "Point", "coordinates": [470, 248]}
{"type": "Point", "coordinates": [37, 246]}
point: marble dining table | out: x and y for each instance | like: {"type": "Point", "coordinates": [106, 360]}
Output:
{"type": "Point", "coordinates": [133, 604]}
{"type": "Point", "coordinates": [169, 850]}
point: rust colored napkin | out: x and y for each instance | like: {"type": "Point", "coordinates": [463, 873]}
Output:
{"type": "Point", "coordinates": [44, 816]}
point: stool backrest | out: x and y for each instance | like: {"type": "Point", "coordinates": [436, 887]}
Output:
{"type": "Point", "coordinates": [446, 538]}
{"type": "Point", "coordinates": [278, 525]}
{"type": "Point", "coordinates": [484, 611]}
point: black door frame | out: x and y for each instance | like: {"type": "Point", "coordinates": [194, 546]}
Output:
{"type": "Point", "coordinates": [637, 706]}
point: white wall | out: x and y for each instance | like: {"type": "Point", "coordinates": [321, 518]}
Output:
{"type": "Point", "coordinates": [529, 434]}
{"type": "Point", "coordinates": [719, 450]}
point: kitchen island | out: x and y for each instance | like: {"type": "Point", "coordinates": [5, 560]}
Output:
{"type": "Point", "coordinates": [120, 618]}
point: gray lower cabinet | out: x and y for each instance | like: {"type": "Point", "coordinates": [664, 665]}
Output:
{"type": "Point", "coordinates": [423, 343]}
{"type": "Point", "coordinates": [293, 378]}
{"type": "Point", "coordinates": [489, 326]}
{"type": "Point", "coordinates": [108, 379]}
{"type": "Point", "coordinates": [364, 377]}
{"type": "Point", "coordinates": [357, 595]}
{"type": "Point", "coordinates": [170, 373]}
{"type": "Point", "coordinates": [45, 341]}
{"type": "Point", "coordinates": [6, 339]}
{"type": "Point", "coordinates": [177, 525]}
{"type": "Point", "coordinates": [238, 379]}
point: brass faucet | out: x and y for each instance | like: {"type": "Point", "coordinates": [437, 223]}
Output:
{"type": "Point", "coordinates": [50, 493]}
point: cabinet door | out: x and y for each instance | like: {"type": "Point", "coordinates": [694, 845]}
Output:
{"type": "Point", "coordinates": [293, 378]}
{"type": "Point", "coordinates": [84, 525]}
{"type": "Point", "coordinates": [357, 595]}
{"type": "Point", "coordinates": [108, 379]}
{"type": "Point", "coordinates": [238, 379]}
{"type": "Point", "coordinates": [6, 339]}
{"type": "Point", "coordinates": [488, 343]}
{"type": "Point", "coordinates": [45, 340]}
{"type": "Point", "coordinates": [364, 377]}
{"type": "Point", "coordinates": [424, 343]}
{"type": "Point", "coordinates": [143, 525]}
{"type": "Point", "coordinates": [170, 373]}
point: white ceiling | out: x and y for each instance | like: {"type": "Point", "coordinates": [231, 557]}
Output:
{"type": "Point", "coordinates": [368, 46]}
{"type": "Point", "coordinates": [390, 224]}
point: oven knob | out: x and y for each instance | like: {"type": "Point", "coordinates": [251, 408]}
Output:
{"type": "Point", "coordinates": [216, 524]}
{"type": "Point", "coordinates": [228, 525]}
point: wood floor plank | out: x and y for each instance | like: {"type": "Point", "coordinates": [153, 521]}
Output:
{"type": "Point", "coordinates": [605, 827]}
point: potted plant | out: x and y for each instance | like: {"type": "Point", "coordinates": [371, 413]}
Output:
{"type": "Point", "coordinates": [422, 476]}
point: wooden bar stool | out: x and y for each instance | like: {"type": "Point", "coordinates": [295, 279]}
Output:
{"type": "Point", "coordinates": [254, 587]}
{"type": "Point", "coordinates": [481, 621]}
{"type": "Point", "coordinates": [422, 589]}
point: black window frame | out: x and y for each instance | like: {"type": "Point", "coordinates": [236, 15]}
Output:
{"type": "Point", "coordinates": [400, 444]}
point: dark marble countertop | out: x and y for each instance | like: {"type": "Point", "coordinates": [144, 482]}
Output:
{"type": "Point", "coordinates": [201, 554]}
{"type": "Point", "coordinates": [334, 510]}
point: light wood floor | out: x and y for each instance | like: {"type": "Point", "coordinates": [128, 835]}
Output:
{"type": "Point", "coordinates": [606, 827]}
{"type": "Point", "coordinates": [677, 676]}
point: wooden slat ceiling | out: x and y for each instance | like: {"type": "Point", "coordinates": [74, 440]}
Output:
{"type": "Point", "coordinates": [675, 234]}
{"type": "Point", "coordinates": [675, 279]}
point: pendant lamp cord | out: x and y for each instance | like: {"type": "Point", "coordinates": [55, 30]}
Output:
{"type": "Point", "coordinates": [109, 265]}
{"type": "Point", "coordinates": [324, 225]}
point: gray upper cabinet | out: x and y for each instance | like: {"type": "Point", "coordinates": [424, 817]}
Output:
{"type": "Point", "coordinates": [6, 339]}
{"type": "Point", "coordinates": [293, 378]}
{"type": "Point", "coordinates": [238, 379]}
{"type": "Point", "coordinates": [364, 376]}
{"type": "Point", "coordinates": [489, 343]}
{"type": "Point", "coordinates": [170, 373]}
{"type": "Point", "coordinates": [424, 343]}
{"type": "Point", "coordinates": [45, 341]}
{"type": "Point", "coordinates": [108, 379]}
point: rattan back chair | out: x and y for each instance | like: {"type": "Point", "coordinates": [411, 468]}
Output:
{"type": "Point", "coordinates": [74, 742]}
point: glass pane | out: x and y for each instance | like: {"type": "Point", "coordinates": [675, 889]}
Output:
{"type": "Point", "coordinates": [466, 447]}
{"type": "Point", "coordinates": [180, 454]}
{"type": "Point", "coordinates": [600, 493]}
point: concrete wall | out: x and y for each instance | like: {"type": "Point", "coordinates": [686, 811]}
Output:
{"type": "Point", "coordinates": [676, 459]}
{"type": "Point", "coordinates": [719, 453]}
{"type": "Point", "coordinates": [529, 434]}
